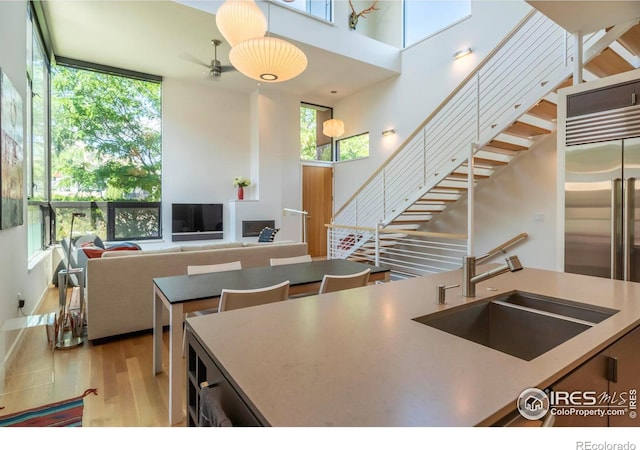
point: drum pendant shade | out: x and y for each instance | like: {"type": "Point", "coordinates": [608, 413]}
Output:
{"type": "Point", "coordinates": [333, 128]}
{"type": "Point", "coordinates": [268, 59]}
{"type": "Point", "coordinates": [240, 20]}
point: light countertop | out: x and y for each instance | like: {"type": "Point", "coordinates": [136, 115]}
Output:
{"type": "Point", "coordinates": [356, 357]}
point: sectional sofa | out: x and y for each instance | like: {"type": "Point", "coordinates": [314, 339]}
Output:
{"type": "Point", "coordinates": [120, 283]}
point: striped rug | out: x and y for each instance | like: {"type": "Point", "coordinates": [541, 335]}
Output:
{"type": "Point", "coordinates": [67, 413]}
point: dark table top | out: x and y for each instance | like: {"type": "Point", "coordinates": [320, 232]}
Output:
{"type": "Point", "coordinates": [183, 288]}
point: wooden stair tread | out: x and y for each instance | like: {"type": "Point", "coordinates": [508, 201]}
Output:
{"type": "Point", "coordinates": [463, 176]}
{"type": "Point", "coordinates": [525, 130]}
{"type": "Point", "coordinates": [489, 162]}
{"type": "Point", "coordinates": [608, 63]}
{"type": "Point", "coordinates": [631, 40]}
{"type": "Point", "coordinates": [568, 82]}
{"type": "Point", "coordinates": [506, 145]}
{"type": "Point", "coordinates": [453, 188]}
{"type": "Point", "coordinates": [431, 201]}
{"type": "Point", "coordinates": [545, 110]}
{"type": "Point", "coordinates": [410, 221]}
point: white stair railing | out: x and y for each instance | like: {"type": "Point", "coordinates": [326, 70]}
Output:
{"type": "Point", "coordinates": [407, 253]}
{"type": "Point", "coordinates": [533, 60]}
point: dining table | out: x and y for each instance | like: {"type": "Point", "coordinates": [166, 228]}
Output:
{"type": "Point", "coordinates": [183, 294]}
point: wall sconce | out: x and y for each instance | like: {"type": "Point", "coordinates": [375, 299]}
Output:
{"type": "Point", "coordinates": [389, 132]}
{"type": "Point", "coordinates": [461, 53]}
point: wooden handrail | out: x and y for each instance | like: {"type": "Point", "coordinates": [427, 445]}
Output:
{"type": "Point", "coordinates": [439, 108]}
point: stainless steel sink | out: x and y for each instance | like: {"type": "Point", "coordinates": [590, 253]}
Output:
{"type": "Point", "coordinates": [518, 323]}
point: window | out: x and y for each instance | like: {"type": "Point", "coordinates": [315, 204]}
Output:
{"type": "Point", "coordinates": [318, 8]}
{"type": "Point", "coordinates": [353, 147]}
{"type": "Point", "coordinates": [37, 139]}
{"type": "Point", "coordinates": [422, 18]}
{"type": "Point", "coordinates": [314, 146]}
{"type": "Point", "coordinates": [106, 151]}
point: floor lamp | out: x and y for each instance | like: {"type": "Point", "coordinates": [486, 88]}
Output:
{"type": "Point", "coordinates": [304, 215]}
{"type": "Point", "coordinates": [65, 317]}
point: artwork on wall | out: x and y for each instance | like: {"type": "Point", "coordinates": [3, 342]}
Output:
{"type": "Point", "coordinates": [11, 153]}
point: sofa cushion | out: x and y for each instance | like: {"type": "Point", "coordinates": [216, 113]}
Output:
{"type": "Point", "coordinates": [192, 248]}
{"type": "Point", "coordinates": [127, 252]}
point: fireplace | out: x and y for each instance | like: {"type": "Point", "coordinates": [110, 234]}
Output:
{"type": "Point", "coordinates": [254, 227]}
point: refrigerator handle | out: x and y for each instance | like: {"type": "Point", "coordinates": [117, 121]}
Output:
{"type": "Point", "coordinates": [616, 228]}
{"type": "Point", "coordinates": [629, 224]}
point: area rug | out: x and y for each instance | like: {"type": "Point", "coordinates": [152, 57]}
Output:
{"type": "Point", "coordinates": [67, 413]}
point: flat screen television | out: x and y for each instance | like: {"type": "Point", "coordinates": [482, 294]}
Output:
{"type": "Point", "coordinates": [196, 221]}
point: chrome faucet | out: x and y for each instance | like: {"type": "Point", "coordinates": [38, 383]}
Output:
{"type": "Point", "coordinates": [470, 279]}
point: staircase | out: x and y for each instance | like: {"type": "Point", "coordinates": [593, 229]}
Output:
{"type": "Point", "coordinates": [503, 108]}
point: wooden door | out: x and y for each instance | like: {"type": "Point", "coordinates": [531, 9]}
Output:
{"type": "Point", "coordinates": [317, 200]}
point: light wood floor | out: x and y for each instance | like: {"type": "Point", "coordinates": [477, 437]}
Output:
{"type": "Point", "coordinates": [129, 395]}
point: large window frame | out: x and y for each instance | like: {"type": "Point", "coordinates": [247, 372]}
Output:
{"type": "Point", "coordinates": [37, 138]}
{"type": "Point", "coordinates": [102, 216]}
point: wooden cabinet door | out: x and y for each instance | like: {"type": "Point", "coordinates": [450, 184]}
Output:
{"type": "Point", "coordinates": [591, 376]}
{"type": "Point", "coordinates": [625, 352]}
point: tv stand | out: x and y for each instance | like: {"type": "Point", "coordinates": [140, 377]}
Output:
{"type": "Point", "coordinates": [201, 236]}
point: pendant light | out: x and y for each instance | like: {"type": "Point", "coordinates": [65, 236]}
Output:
{"type": "Point", "coordinates": [239, 20]}
{"type": "Point", "coordinates": [268, 59]}
{"type": "Point", "coordinates": [333, 128]}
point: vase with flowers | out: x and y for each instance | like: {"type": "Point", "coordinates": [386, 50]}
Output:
{"type": "Point", "coordinates": [241, 183]}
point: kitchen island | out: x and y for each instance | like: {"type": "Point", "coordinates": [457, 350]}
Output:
{"type": "Point", "coordinates": [357, 358]}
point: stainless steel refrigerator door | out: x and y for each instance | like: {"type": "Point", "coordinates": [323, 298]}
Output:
{"type": "Point", "coordinates": [631, 174]}
{"type": "Point", "coordinates": [593, 226]}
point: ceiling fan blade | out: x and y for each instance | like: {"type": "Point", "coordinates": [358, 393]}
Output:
{"type": "Point", "coordinates": [227, 68]}
{"type": "Point", "coordinates": [193, 59]}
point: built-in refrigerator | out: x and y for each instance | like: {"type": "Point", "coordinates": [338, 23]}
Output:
{"type": "Point", "coordinates": [601, 146]}
{"type": "Point", "coordinates": [602, 196]}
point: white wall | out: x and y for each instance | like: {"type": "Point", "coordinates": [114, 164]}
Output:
{"type": "Point", "coordinates": [519, 198]}
{"type": "Point", "coordinates": [15, 276]}
{"type": "Point", "coordinates": [205, 144]}
{"type": "Point", "coordinates": [429, 75]}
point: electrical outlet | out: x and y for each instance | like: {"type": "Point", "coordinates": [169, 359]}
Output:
{"type": "Point", "coordinates": [20, 303]}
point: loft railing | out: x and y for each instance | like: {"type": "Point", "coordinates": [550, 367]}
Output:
{"type": "Point", "coordinates": [530, 62]}
{"type": "Point", "coordinates": [407, 253]}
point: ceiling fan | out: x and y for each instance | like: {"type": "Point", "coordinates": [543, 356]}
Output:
{"type": "Point", "coordinates": [215, 68]}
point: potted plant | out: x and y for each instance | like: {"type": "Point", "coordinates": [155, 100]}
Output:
{"type": "Point", "coordinates": [241, 183]}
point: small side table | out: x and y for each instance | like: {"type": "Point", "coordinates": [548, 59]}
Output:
{"type": "Point", "coordinates": [47, 320]}
{"type": "Point", "coordinates": [70, 321]}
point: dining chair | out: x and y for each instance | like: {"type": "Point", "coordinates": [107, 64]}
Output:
{"type": "Point", "coordinates": [333, 283]}
{"type": "Point", "coordinates": [200, 269]}
{"type": "Point", "coordinates": [209, 268]}
{"type": "Point", "coordinates": [290, 260]}
{"type": "Point", "coordinates": [242, 298]}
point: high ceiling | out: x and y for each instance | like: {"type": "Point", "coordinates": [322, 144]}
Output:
{"type": "Point", "coordinates": [173, 40]}
{"type": "Point", "coordinates": [587, 16]}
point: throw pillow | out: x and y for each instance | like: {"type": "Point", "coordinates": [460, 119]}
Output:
{"type": "Point", "coordinates": [124, 246]}
{"type": "Point", "coordinates": [268, 234]}
{"type": "Point", "coordinates": [92, 251]}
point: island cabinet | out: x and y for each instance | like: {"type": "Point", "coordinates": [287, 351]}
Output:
{"type": "Point", "coordinates": [203, 373]}
{"type": "Point", "coordinates": [609, 379]}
